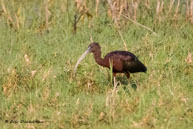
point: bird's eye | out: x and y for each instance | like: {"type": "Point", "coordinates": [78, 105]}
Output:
{"type": "Point", "coordinates": [89, 47]}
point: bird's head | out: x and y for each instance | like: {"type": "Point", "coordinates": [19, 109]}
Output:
{"type": "Point", "coordinates": [93, 47]}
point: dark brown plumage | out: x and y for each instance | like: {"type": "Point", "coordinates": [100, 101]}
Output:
{"type": "Point", "coordinates": [121, 61]}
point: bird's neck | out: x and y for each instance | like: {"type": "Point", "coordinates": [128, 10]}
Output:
{"type": "Point", "coordinates": [98, 59]}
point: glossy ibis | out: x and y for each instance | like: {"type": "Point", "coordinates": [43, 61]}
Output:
{"type": "Point", "coordinates": [121, 61]}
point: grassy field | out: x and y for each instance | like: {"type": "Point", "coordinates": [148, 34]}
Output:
{"type": "Point", "coordinates": [37, 84]}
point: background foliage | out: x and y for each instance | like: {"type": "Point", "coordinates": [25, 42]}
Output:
{"type": "Point", "coordinates": [42, 40]}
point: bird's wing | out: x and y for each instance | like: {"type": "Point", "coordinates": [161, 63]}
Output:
{"type": "Point", "coordinates": [126, 56]}
{"type": "Point", "coordinates": [119, 59]}
{"type": "Point", "coordinates": [121, 56]}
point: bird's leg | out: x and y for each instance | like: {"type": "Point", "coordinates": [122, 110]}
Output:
{"type": "Point", "coordinates": [114, 74]}
{"type": "Point", "coordinates": [114, 78]}
{"type": "Point", "coordinates": [127, 74]}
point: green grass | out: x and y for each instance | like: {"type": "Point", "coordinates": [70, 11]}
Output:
{"type": "Point", "coordinates": [162, 98]}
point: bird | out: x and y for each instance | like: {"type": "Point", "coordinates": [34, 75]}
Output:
{"type": "Point", "coordinates": [120, 61]}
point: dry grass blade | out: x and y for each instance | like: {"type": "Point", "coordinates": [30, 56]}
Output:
{"type": "Point", "coordinates": [189, 58]}
{"type": "Point", "coordinates": [145, 27]}
{"type": "Point", "coordinates": [97, 5]}
{"type": "Point", "coordinates": [135, 6]}
{"type": "Point", "coordinates": [147, 4]}
{"type": "Point", "coordinates": [187, 10]}
{"type": "Point", "coordinates": [158, 7]}
{"type": "Point", "coordinates": [113, 10]}
{"type": "Point", "coordinates": [7, 14]}
{"type": "Point", "coordinates": [191, 11]}
{"type": "Point", "coordinates": [14, 20]}
{"type": "Point", "coordinates": [123, 40]}
{"type": "Point", "coordinates": [47, 13]}
{"type": "Point", "coordinates": [91, 39]}
{"type": "Point", "coordinates": [17, 18]}
{"type": "Point", "coordinates": [176, 11]}
{"type": "Point", "coordinates": [171, 5]}
{"type": "Point", "coordinates": [111, 5]}
{"type": "Point", "coordinates": [27, 59]}
{"type": "Point", "coordinates": [162, 5]}
{"type": "Point", "coordinates": [46, 74]}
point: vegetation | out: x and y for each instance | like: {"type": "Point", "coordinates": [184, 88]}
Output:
{"type": "Point", "coordinates": [41, 42]}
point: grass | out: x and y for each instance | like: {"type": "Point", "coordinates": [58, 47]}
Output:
{"type": "Point", "coordinates": [37, 81]}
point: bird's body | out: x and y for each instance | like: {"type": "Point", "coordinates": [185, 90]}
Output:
{"type": "Point", "coordinates": [123, 61]}
{"type": "Point", "coordinates": [120, 61]}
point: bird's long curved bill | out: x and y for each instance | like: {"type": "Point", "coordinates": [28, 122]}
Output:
{"type": "Point", "coordinates": [80, 59]}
